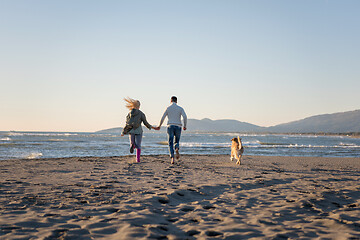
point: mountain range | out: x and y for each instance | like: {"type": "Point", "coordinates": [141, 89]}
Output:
{"type": "Point", "coordinates": [343, 122]}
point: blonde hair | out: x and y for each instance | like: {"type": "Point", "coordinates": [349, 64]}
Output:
{"type": "Point", "coordinates": [131, 103]}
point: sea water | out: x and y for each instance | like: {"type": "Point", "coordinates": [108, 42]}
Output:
{"type": "Point", "coordinates": [37, 145]}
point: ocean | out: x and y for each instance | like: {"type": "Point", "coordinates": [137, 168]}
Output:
{"type": "Point", "coordinates": [38, 145]}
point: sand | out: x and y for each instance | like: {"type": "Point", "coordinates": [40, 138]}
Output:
{"type": "Point", "coordinates": [200, 197]}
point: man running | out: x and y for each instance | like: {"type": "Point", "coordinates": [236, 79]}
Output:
{"type": "Point", "coordinates": [174, 113]}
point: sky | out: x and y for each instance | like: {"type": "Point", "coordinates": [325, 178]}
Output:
{"type": "Point", "coordinates": [67, 65]}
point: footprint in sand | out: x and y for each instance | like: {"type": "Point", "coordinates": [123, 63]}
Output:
{"type": "Point", "coordinates": [187, 209]}
{"type": "Point", "coordinates": [213, 233]}
{"type": "Point", "coordinates": [57, 234]}
{"type": "Point", "coordinates": [163, 200]}
{"type": "Point", "coordinates": [5, 229]}
{"type": "Point", "coordinates": [172, 220]}
{"type": "Point", "coordinates": [207, 207]}
{"type": "Point", "coordinates": [192, 233]}
{"type": "Point", "coordinates": [180, 194]}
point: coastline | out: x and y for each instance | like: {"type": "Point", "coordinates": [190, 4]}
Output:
{"type": "Point", "coordinates": [58, 145]}
{"type": "Point", "coordinates": [201, 196]}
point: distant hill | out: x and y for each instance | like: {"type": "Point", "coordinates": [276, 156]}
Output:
{"type": "Point", "coordinates": [207, 125]}
{"type": "Point", "coordinates": [111, 130]}
{"type": "Point", "coordinates": [226, 125]}
{"type": "Point", "coordinates": [344, 122]}
{"type": "Point", "coordinates": [328, 123]}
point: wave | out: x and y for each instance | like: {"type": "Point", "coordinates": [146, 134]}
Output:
{"type": "Point", "coordinates": [198, 144]}
{"type": "Point", "coordinates": [63, 140]}
{"type": "Point", "coordinates": [34, 155]}
{"type": "Point", "coordinates": [234, 134]}
{"type": "Point", "coordinates": [341, 144]}
{"type": "Point", "coordinates": [60, 134]}
{"type": "Point", "coordinates": [17, 134]}
{"type": "Point", "coordinates": [303, 146]}
{"type": "Point", "coordinates": [57, 140]}
{"type": "Point", "coordinates": [273, 144]}
{"type": "Point", "coordinates": [256, 144]}
{"type": "Point", "coordinates": [204, 145]}
{"type": "Point", "coordinates": [5, 139]}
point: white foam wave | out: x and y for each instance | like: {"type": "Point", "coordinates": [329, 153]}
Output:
{"type": "Point", "coordinates": [256, 144]}
{"type": "Point", "coordinates": [5, 139]}
{"type": "Point", "coordinates": [34, 155]}
{"type": "Point", "coordinates": [300, 146]}
{"type": "Point", "coordinates": [251, 143]}
{"type": "Point", "coordinates": [14, 134]}
{"type": "Point", "coordinates": [41, 134]}
{"type": "Point", "coordinates": [206, 145]}
{"type": "Point", "coordinates": [348, 144]}
{"type": "Point", "coordinates": [215, 144]}
{"type": "Point", "coordinates": [56, 140]}
{"type": "Point", "coordinates": [234, 134]}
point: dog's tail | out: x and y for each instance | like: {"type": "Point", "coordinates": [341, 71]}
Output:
{"type": "Point", "coordinates": [239, 141]}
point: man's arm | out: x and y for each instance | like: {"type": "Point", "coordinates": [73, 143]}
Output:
{"type": "Point", "coordinates": [163, 118]}
{"type": "Point", "coordinates": [185, 119]}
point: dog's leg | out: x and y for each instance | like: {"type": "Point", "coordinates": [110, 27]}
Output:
{"type": "Point", "coordinates": [239, 160]}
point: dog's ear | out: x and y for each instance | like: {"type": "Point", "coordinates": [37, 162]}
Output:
{"type": "Point", "coordinates": [233, 139]}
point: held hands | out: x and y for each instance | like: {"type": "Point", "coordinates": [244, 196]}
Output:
{"type": "Point", "coordinates": [158, 128]}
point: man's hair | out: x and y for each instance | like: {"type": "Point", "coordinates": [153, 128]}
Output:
{"type": "Point", "coordinates": [174, 99]}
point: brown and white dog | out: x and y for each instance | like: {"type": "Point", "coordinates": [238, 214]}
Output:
{"type": "Point", "coordinates": [237, 149]}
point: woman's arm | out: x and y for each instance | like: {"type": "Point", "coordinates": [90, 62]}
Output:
{"type": "Point", "coordinates": [143, 119]}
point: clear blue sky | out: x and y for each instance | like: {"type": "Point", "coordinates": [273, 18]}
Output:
{"type": "Point", "coordinates": [67, 65]}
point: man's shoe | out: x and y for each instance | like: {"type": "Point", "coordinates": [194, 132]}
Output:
{"type": "Point", "coordinates": [177, 153]}
{"type": "Point", "coordinates": [132, 148]}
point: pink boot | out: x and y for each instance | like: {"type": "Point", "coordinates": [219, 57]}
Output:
{"type": "Point", "coordinates": [138, 152]}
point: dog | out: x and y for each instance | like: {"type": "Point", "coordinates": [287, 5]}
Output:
{"type": "Point", "coordinates": [237, 149]}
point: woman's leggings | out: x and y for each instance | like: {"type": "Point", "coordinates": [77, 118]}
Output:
{"type": "Point", "coordinates": [135, 139]}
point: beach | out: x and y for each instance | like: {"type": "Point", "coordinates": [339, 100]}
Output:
{"type": "Point", "coordinates": [199, 197]}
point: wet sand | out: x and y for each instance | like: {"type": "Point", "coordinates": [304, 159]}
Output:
{"type": "Point", "coordinates": [200, 197]}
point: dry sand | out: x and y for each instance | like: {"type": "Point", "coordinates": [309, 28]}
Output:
{"type": "Point", "coordinates": [200, 197]}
